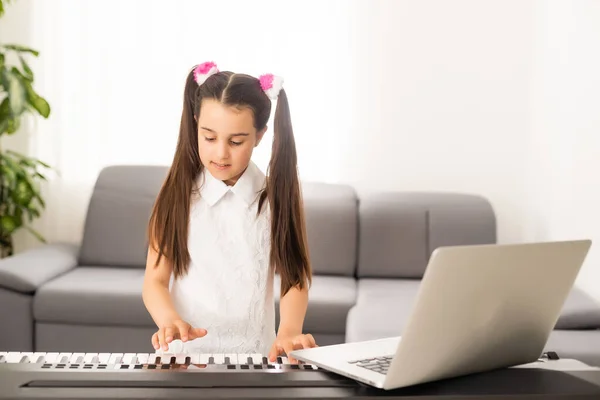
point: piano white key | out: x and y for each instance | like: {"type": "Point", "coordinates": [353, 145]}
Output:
{"type": "Point", "coordinates": [51, 358]}
{"type": "Point", "coordinates": [204, 358]}
{"type": "Point", "coordinates": [257, 358]}
{"type": "Point", "coordinates": [285, 360]}
{"type": "Point", "coordinates": [89, 358]}
{"type": "Point", "coordinates": [38, 357]}
{"type": "Point", "coordinates": [142, 358]}
{"type": "Point", "coordinates": [219, 358]}
{"type": "Point", "coordinates": [64, 358]}
{"type": "Point", "coordinates": [77, 358]}
{"type": "Point", "coordinates": [29, 356]}
{"type": "Point", "coordinates": [180, 358]}
{"type": "Point", "coordinates": [243, 358]}
{"type": "Point", "coordinates": [115, 358]}
{"type": "Point", "coordinates": [129, 358]}
{"type": "Point", "coordinates": [3, 355]}
{"type": "Point", "coordinates": [152, 358]}
{"type": "Point", "coordinates": [13, 357]}
{"type": "Point", "coordinates": [233, 358]}
{"type": "Point", "coordinates": [165, 358]}
{"type": "Point", "coordinates": [104, 358]}
{"type": "Point", "coordinates": [195, 358]}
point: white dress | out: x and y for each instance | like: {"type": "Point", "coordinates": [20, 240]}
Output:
{"type": "Point", "coordinates": [228, 289]}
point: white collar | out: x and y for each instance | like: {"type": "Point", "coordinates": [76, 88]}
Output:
{"type": "Point", "coordinates": [247, 186]}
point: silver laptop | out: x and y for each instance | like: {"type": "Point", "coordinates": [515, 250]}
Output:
{"type": "Point", "coordinates": [479, 308]}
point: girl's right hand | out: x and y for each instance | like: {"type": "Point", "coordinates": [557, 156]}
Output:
{"type": "Point", "coordinates": [177, 329]}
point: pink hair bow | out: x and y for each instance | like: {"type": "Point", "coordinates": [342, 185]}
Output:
{"type": "Point", "coordinates": [271, 85]}
{"type": "Point", "coordinates": [203, 71]}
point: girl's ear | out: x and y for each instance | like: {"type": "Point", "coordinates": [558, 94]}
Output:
{"type": "Point", "coordinates": [259, 135]}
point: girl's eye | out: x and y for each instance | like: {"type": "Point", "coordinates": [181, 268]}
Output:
{"type": "Point", "coordinates": [237, 143]}
{"type": "Point", "coordinates": [209, 139]}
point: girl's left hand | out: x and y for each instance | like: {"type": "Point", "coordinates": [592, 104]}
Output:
{"type": "Point", "coordinates": [285, 344]}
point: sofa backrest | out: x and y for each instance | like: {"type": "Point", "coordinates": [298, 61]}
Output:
{"type": "Point", "coordinates": [399, 231]}
{"type": "Point", "coordinates": [122, 200]}
{"type": "Point", "coordinates": [117, 216]}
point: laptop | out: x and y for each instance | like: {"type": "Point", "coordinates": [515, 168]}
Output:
{"type": "Point", "coordinates": [479, 308]}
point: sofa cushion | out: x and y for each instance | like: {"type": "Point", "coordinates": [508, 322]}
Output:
{"type": "Point", "coordinates": [94, 296]}
{"type": "Point", "coordinates": [399, 231]}
{"type": "Point", "coordinates": [580, 311]}
{"type": "Point", "coordinates": [329, 300]}
{"type": "Point", "coordinates": [582, 345]}
{"type": "Point", "coordinates": [117, 216]}
{"type": "Point", "coordinates": [382, 308]}
{"type": "Point", "coordinates": [331, 213]}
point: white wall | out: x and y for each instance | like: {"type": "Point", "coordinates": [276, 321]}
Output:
{"type": "Point", "coordinates": [442, 101]}
{"type": "Point", "coordinates": [498, 98]}
{"type": "Point", "coordinates": [563, 185]}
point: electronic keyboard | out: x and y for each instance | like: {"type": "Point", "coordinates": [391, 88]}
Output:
{"type": "Point", "coordinates": [56, 375]}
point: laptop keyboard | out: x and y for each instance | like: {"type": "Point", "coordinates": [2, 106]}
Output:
{"type": "Point", "coordinates": [377, 364]}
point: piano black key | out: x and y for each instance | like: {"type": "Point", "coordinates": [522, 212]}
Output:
{"type": "Point", "coordinates": [211, 360]}
{"type": "Point", "coordinates": [173, 360]}
{"type": "Point", "coordinates": [265, 360]}
{"type": "Point", "coordinates": [152, 366]}
{"type": "Point", "coordinates": [227, 361]}
{"type": "Point", "coordinates": [188, 360]}
{"type": "Point", "coordinates": [157, 361]}
{"type": "Point", "coordinates": [279, 360]}
{"type": "Point", "coordinates": [250, 361]}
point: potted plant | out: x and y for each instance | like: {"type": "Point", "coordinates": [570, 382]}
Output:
{"type": "Point", "coordinates": [20, 175]}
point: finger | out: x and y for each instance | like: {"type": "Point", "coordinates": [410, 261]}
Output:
{"type": "Point", "coordinates": [276, 350]}
{"type": "Point", "coordinates": [311, 339]}
{"type": "Point", "coordinates": [288, 346]}
{"type": "Point", "coordinates": [155, 343]}
{"type": "Point", "coordinates": [169, 334]}
{"type": "Point", "coordinates": [305, 342]}
{"type": "Point", "coordinates": [272, 353]}
{"type": "Point", "coordinates": [195, 333]}
{"type": "Point", "coordinates": [182, 330]}
{"type": "Point", "coordinates": [161, 339]}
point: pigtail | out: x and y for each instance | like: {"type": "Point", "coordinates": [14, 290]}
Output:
{"type": "Point", "coordinates": [289, 247]}
{"type": "Point", "coordinates": [168, 224]}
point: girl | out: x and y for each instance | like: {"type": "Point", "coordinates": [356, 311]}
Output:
{"type": "Point", "coordinates": [220, 229]}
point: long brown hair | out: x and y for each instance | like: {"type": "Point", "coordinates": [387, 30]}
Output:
{"type": "Point", "coordinates": [168, 226]}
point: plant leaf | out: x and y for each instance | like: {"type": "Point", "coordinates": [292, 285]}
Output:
{"type": "Point", "coordinates": [21, 49]}
{"type": "Point", "coordinates": [37, 101]}
{"type": "Point", "coordinates": [28, 71]}
{"type": "Point", "coordinates": [16, 92]}
{"type": "Point", "coordinates": [13, 125]}
{"type": "Point", "coordinates": [8, 224]}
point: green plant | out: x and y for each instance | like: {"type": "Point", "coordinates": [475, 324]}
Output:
{"type": "Point", "coordinates": [20, 175]}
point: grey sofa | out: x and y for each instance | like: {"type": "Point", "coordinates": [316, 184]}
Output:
{"type": "Point", "coordinates": [368, 254]}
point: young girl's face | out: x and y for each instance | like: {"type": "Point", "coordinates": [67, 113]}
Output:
{"type": "Point", "coordinates": [226, 139]}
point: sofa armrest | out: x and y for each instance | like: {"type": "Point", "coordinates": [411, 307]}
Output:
{"type": "Point", "coordinates": [25, 272]}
